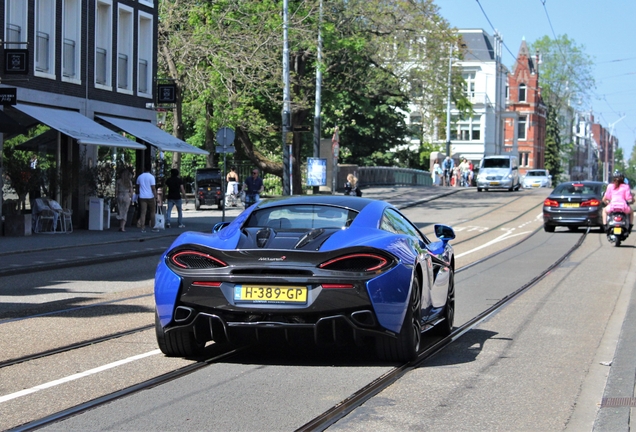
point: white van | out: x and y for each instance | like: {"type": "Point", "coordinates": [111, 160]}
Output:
{"type": "Point", "coordinates": [498, 172]}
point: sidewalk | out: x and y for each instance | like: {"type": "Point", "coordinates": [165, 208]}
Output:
{"type": "Point", "coordinates": [203, 221]}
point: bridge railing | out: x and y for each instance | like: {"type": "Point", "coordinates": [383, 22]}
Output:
{"type": "Point", "coordinates": [377, 176]}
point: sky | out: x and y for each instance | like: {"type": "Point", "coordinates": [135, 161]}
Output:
{"type": "Point", "coordinates": [604, 29]}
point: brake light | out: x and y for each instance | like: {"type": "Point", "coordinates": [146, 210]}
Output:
{"type": "Point", "coordinates": [356, 262]}
{"type": "Point", "coordinates": [190, 259]}
{"type": "Point", "coordinates": [207, 284]}
{"type": "Point", "coordinates": [337, 286]}
{"type": "Point", "coordinates": [550, 203]}
{"type": "Point", "coordinates": [618, 218]}
{"type": "Point", "coordinates": [591, 203]}
{"type": "Point", "coordinates": [578, 184]}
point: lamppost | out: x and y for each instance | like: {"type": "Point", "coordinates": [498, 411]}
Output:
{"type": "Point", "coordinates": [448, 100]}
{"type": "Point", "coordinates": [286, 105]}
{"type": "Point", "coordinates": [609, 141]}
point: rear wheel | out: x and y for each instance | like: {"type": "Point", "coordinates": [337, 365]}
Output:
{"type": "Point", "coordinates": [573, 228]}
{"type": "Point", "coordinates": [178, 342]}
{"type": "Point", "coordinates": [197, 204]}
{"type": "Point", "coordinates": [407, 344]}
{"type": "Point", "coordinates": [548, 228]}
{"type": "Point", "coordinates": [478, 189]}
{"type": "Point", "coordinates": [618, 241]}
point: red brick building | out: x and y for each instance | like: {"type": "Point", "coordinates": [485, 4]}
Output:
{"type": "Point", "coordinates": [525, 107]}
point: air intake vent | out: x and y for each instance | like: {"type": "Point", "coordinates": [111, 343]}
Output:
{"type": "Point", "coordinates": [262, 236]}
{"type": "Point", "coordinates": [196, 260]}
{"type": "Point", "coordinates": [357, 263]}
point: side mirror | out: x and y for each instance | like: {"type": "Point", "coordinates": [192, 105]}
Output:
{"type": "Point", "coordinates": [444, 232]}
{"type": "Point", "coordinates": [219, 226]}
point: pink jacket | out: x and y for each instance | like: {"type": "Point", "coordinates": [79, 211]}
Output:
{"type": "Point", "coordinates": [618, 198]}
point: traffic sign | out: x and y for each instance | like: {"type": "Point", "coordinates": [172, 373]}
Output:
{"type": "Point", "coordinates": [225, 136]}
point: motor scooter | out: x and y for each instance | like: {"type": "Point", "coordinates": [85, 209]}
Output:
{"type": "Point", "coordinates": [617, 227]}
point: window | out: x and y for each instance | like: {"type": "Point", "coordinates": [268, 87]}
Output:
{"type": "Point", "coordinates": [45, 38]}
{"type": "Point", "coordinates": [124, 49]}
{"type": "Point", "coordinates": [103, 44]}
{"type": "Point", "coordinates": [15, 23]}
{"type": "Point", "coordinates": [522, 126]}
{"type": "Point", "coordinates": [145, 53]}
{"type": "Point", "coordinates": [522, 92]}
{"type": "Point", "coordinates": [394, 222]}
{"type": "Point", "coordinates": [469, 84]}
{"type": "Point", "coordinates": [524, 158]}
{"type": "Point", "coordinates": [466, 130]}
{"type": "Point", "coordinates": [71, 46]}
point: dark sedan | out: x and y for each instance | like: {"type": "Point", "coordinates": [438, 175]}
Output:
{"type": "Point", "coordinates": [574, 204]}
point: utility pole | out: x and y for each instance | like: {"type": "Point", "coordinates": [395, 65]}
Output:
{"type": "Point", "coordinates": [448, 100]}
{"type": "Point", "coordinates": [286, 105]}
{"type": "Point", "coordinates": [318, 93]}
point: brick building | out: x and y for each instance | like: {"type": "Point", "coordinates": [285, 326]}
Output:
{"type": "Point", "coordinates": [525, 118]}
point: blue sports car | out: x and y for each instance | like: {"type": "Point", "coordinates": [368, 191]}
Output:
{"type": "Point", "coordinates": [326, 269]}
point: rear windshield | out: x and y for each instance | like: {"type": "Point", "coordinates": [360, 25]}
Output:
{"type": "Point", "coordinates": [577, 189]}
{"type": "Point", "coordinates": [302, 217]}
{"type": "Point", "coordinates": [496, 163]}
{"type": "Point", "coordinates": [208, 176]}
{"type": "Point", "coordinates": [537, 174]}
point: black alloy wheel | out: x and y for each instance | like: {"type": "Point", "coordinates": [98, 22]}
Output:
{"type": "Point", "coordinates": [406, 345]}
{"type": "Point", "coordinates": [177, 342]}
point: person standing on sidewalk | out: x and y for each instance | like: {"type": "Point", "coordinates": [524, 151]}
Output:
{"type": "Point", "coordinates": [147, 198]}
{"type": "Point", "coordinates": [176, 191]}
{"type": "Point", "coordinates": [124, 191]}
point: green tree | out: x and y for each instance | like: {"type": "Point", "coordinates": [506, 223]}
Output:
{"type": "Point", "coordinates": [553, 144]}
{"type": "Point", "coordinates": [567, 83]}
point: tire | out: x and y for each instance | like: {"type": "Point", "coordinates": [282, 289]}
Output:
{"type": "Point", "coordinates": [406, 345]}
{"type": "Point", "coordinates": [618, 242]}
{"type": "Point", "coordinates": [178, 342]}
{"type": "Point", "coordinates": [573, 228]}
{"type": "Point", "coordinates": [601, 229]}
{"type": "Point", "coordinates": [548, 228]}
{"type": "Point", "coordinates": [197, 204]}
{"type": "Point", "coordinates": [478, 189]}
{"type": "Point", "coordinates": [446, 327]}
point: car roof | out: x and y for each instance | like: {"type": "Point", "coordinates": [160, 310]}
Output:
{"type": "Point", "coordinates": [352, 202]}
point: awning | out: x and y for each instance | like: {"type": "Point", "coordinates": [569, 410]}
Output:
{"type": "Point", "coordinates": [77, 126]}
{"type": "Point", "coordinates": [151, 134]}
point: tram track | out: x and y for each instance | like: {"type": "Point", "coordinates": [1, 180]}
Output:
{"type": "Point", "coordinates": [106, 338]}
{"type": "Point", "coordinates": [346, 406]}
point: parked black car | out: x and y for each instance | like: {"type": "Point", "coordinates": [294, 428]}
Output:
{"type": "Point", "coordinates": [574, 204]}
{"type": "Point", "coordinates": [208, 188]}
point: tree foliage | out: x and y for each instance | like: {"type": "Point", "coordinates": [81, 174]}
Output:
{"type": "Point", "coordinates": [226, 58]}
{"type": "Point", "coordinates": [552, 144]}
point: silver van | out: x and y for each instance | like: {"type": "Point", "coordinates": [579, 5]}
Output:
{"type": "Point", "coordinates": [498, 172]}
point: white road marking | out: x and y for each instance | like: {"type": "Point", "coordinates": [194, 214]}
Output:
{"type": "Point", "coordinates": [507, 235]}
{"type": "Point", "coordinates": [76, 376]}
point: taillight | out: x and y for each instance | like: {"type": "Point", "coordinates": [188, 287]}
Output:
{"type": "Point", "coordinates": [189, 259]}
{"type": "Point", "coordinates": [359, 262]}
{"type": "Point", "coordinates": [207, 284]}
{"type": "Point", "coordinates": [550, 203]}
{"type": "Point", "coordinates": [591, 203]}
{"type": "Point", "coordinates": [618, 218]}
{"type": "Point", "coordinates": [337, 286]}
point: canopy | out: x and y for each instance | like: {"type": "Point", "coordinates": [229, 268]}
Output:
{"type": "Point", "coordinates": [151, 134]}
{"type": "Point", "coordinates": [77, 126]}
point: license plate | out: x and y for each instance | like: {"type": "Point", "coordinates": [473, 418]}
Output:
{"type": "Point", "coordinates": [270, 294]}
{"type": "Point", "coordinates": [536, 185]}
{"type": "Point", "coordinates": [570, 205]}
{"type": "Point", "coordinates": [494, 183]}
{"type": "Point", "coordinates": [617, 230]}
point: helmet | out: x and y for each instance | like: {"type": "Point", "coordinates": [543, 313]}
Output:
{"type": "Point", "coordinates": [618, 175]}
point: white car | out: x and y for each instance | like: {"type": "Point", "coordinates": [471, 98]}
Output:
{"type": "Point", "coordinates": [537, 178]}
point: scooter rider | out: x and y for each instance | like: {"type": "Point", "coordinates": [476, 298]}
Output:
{"type": "Point", "coordinates": [617, 198]}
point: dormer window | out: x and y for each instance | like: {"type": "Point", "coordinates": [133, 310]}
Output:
{"type": "Point", "coordinates": [522, 92]}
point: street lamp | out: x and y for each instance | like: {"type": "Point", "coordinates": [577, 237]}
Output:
{"type": "Point", "coordinates": [448, 100]}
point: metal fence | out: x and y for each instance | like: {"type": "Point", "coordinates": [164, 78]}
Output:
{"type": "Point", "coordinates": [376, 176]}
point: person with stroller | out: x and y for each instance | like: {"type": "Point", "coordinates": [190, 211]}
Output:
{"type": "Point", "coordinates": [232, 192]}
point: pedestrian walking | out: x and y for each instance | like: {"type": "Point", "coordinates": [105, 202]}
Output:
{"type": "Point", "coordinates": [123, 192]}
{"type": "Point", "coordinates": [147, 198]}
{"type": "Point", "coordinates": [176, 191]}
